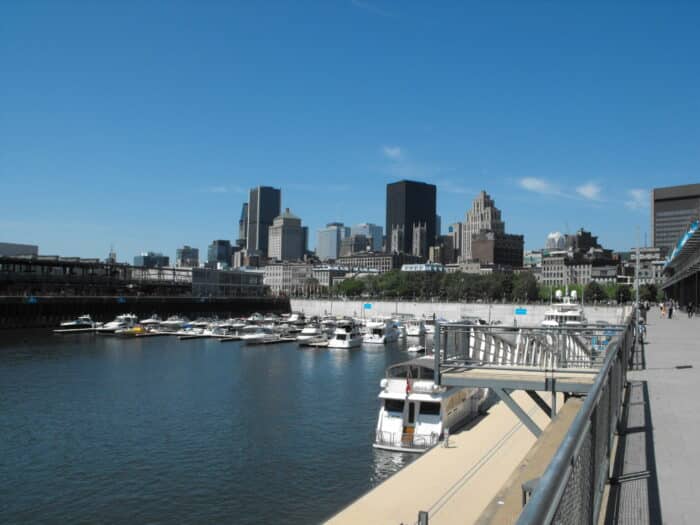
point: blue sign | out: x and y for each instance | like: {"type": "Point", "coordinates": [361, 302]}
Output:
{"type": "Point", "coordinates": [31, 299]}
{"type": "Point", "coordinates": [521, 311]}
{"type": "Point", "coordinates": [121, 300]}
{"type": "Point", "coordinates": [367, 306]}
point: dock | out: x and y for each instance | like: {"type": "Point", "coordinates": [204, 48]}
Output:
{"type": "Point", "coordinates": [453, 484]}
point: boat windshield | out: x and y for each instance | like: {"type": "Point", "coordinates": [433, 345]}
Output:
{"type": "Point", "coordinates": [416, 372]}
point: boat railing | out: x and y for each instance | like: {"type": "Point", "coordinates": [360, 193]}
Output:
{"type": "Point", "coordinates": [406, 440]}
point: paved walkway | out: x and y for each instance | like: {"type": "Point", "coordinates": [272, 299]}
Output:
{"type": "Point", "coordinates": [658, 457]}
{"type": "Point", "coordinates": [454, 484]}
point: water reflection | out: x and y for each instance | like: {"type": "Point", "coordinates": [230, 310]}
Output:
{"type": "Point", "coordinates": [386, 463]}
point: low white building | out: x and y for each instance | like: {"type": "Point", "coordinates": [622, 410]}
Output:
{"type": "Point", "coordinates": [289, 278]}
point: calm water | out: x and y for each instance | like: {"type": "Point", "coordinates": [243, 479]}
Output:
{"type": "Point", "coordinates": [104, 429]}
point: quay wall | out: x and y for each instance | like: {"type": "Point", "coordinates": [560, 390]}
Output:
{"type": "Point", "coordinates": [37, 312]}
{"type": "Point", "coordinates": [505, 313]}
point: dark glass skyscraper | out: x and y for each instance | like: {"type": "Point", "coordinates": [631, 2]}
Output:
{"type": "Point", "coordinates": [263, 206]}
{"type": "Point", "coordinates": [408, 203]}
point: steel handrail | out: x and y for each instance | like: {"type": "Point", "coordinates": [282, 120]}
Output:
{"type": "Point", "coordinates": [545, 500]}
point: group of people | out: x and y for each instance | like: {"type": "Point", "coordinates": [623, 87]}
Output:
{"type": "Point", "coordinates": [669, 306]}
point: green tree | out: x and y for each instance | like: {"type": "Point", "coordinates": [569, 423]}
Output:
{"type": "Point", "coordinates": [524, 287]}
{"type": "Point", "coordinates": [594, 292]}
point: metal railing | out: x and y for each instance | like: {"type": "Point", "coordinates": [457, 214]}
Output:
{"type": "Point", "coordinates": [465, 345]}
{"type": "Point", "coordinates": [407, 441]}
{"type": "Point", "coordinates": [571, 488]}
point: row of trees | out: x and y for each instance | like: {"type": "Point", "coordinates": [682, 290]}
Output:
{"type": "Point", "coordinates": [519, 287]}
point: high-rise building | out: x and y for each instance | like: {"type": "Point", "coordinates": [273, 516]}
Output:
{"type": "Point", "coordinates": [264, 205]}
{"type": "Point", "coordinates": [328, 240]}
{"type": "Point", "coordinates": [219, 254]}
{"type": "Point", "coordinates": [356, 243]}
{"type": "Point", "coordinates": [243, 226]}
{"type": "Point", "coordinates": [456, 232]}
{"type": "Point", "coordinates": [673, 209]}
{"type": "Point", "coordinates": [420, 240]}
{"type": "Point", "coordinates": [151, 260]}
{"type": "Point", "coordinates": [286, 238]}
{"type": "Point", "coordinates": [555, 241]}
{"type": "Point", "coordinates": [409, 203]}
{"type": "Point", "coordinates": [187, 257]}
{"type": "Point", "coordinates": [438, 227]}
{"type": "Point", "coordinates": [373, 232]}
{"type": "Point", "coordinates": [483, 216]}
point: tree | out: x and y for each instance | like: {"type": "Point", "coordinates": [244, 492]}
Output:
{"type": "Point", "coordinates": [524, 287]}
{"type": "Point", "coordinates": [594, 292]}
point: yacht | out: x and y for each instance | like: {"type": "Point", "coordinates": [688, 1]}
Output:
{"type": "Point", "coordinates": [415, 412]}
{"type": "Point", "coordinates": [153, 321]}
{"type": "Point", "coordinates": [415, 327]}
{"type": "Point", "coordinates": [416, 349]}
{"type": "Point", "coordinates": [400, 328]}
{"type": "Point", "coordinates": [258, 334]}
{"type": "Point", "coordinates": [380, 332]}
{"type": "Point", "coordinates": [119, 323]}
{"type": "Point", "coordinates": [568, 313]}
{"type": "Point", "coordinates": [173, 323]}
{"type": "Point", "coordinates": [346, 335]}
{"type": "Point", "coordinates": [84, 321]}
{"type": "Point", "coordinates": [429, 325]}
{"type": "Point", "coordinates": [310, 331]}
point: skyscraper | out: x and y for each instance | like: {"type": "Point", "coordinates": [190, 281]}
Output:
{"type": "Point", "coordinates": [371, 231]}
{"type": "Point", "coordinates": [243, 226]}
{"type": "Point", "coordinates": [286, 238]}
{"type": "Point", "coordinates": [328, 240]}
{"type": "Point", "coordinates": [187, 257]}
{"type": "Point", "coordinates": [673, 208]}
{"type": "Point", "coordinates": [408, 203]}
{"type": "Point", "coordinates": [219, 253]}
{"type": "Point", "coordinates": [263, 206]}
{"type": "Point", "coordinates": [483, 216]}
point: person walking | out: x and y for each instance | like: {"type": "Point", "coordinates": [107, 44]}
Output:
{"type": "Point", "coordinates": [691, 309]}
{"type": "Point", "coordinates": [663, 310]}
{"type": "Point", "coordinates": [670, 310]}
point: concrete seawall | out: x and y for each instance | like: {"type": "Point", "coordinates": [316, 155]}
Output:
{"type": "Point", "coordinates": [505, 313]}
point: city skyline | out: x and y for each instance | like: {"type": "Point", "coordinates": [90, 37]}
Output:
{"type": "Point", "coordinates": [575, 115]}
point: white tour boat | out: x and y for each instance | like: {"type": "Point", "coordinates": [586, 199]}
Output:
{"type": "Point", "coordinates": [568, 313]}
{"type": "Point", "coordinates": [415, 412]}
{"type": "Point", "coordinates": [346, 335]}
{"type": "Point", "coordinates": [310, 331]}
{"type": "Point", "coordinates": [380, 332]}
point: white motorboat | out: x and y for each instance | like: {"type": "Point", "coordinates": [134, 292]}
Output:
{"type": "Point", "coordinates": [415, 328]}
{"type": "Point", "coordinates": [346, 335]}
{"type": "Point", "coordinates": [258, 334]}
{"type": "Point", "coordinates": [173, 323]}
{"type": "Point", "coordinates": [429, 325]}
{"type": "Point", "coordinates": [84, 321]}
{"type": "Point", "coordinates": [400, 328]}
{"type": "Point", "coordinates": [380, 332]}
{"type": "Point", "coordinates": [309, 332]}
{"type": "Point", "coordinates": [415, 412]}
{"type": "Point", "coordinates": [416, 349]}
{"type": "Point", "coordinates": [120, 322]}
{"type": "Point", "coordinates": [151, 322]}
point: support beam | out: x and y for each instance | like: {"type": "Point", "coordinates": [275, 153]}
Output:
{"type": "Point", "coordinates": [522, 415]}
{"type": "Point", "coordinates": [540, 402]}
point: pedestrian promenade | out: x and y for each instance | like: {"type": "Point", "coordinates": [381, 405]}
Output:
{"type": "Point", "coordinates": [655, 475]}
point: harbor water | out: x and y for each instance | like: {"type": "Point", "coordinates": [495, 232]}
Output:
{"type": "Point", "coordinates": [157, 430]}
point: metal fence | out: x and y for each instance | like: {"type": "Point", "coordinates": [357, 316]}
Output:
{"type": "Point", "coordinates": [406, 441]}
{"type": "Point", "coordinates": [571, 488]}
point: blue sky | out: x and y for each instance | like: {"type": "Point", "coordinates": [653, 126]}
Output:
{"type": "Point", "coordinates": [143, 124]}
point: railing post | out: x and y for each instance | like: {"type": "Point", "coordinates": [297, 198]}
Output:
{"type": "Point", "coordinates": [436, 354]}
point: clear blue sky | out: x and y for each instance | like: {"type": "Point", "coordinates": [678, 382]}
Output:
{"type": "Point", "coordinates": [143, 124]}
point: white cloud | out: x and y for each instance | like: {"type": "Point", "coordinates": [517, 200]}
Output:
{"type": "Point", "coordinates": [637, 199]}
{"type": "Point", "coordinates": [538, 186]}
{"type": "Point", "coordinates": [392, 152]}
{"type": "Point", "coordinates": [590, 191]}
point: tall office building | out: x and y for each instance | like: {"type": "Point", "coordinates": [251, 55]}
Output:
{"type": "Point", "coordinates": [243, 227]}
{"type": "Point", "coordinates": [328, 240]}
{"type": "Point", "coordinates": [673, 208]}
{"type": "Point", "coordinates": [483, 216]}
{"type": "Point", "coordinates": [152, 260]}
{"type": "Point", "coordinates": [219, 254]}
{"type": "Point", "coordinates": [286, 238]}
{"type": "Point", "coordinates": [263, 206]}
{"type": "Point", "coordinates": [187, 257]}
{"type": "Point", "coordinates": [456, 232]}
{"type": "Point", "coordinates": [409, 203]}
{"type": "Point", "coordinates": [373, 232]}
{"type": "Point", "coordinates": [438, 227]}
